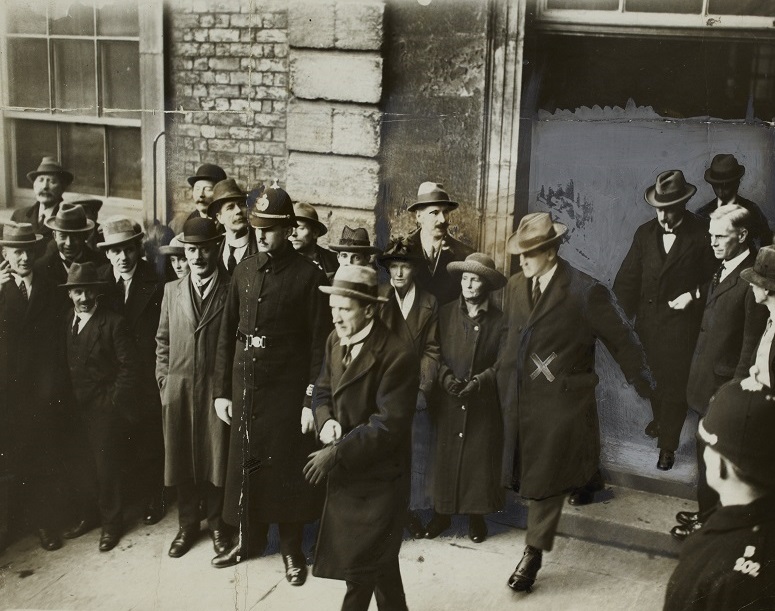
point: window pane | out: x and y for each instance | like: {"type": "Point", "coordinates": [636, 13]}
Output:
{"type": "Point", "coordinates": [758, 8]}
{"type": "Point", "coordinates": [692, 7]}
{"type": "Point", "coordinates": [120, 78]}
{"type": "Point", "coordinates": [124, 157]}
{"type": "Point", "coordinates": [71, 18]}
{"type": "Point", "coordinates": [25, 17]}
{"type": "Point", "coordinates": [74, 76]}
{"type": "Point", "coordinates": [83, 153]}
{"type": "Point", "coordinates": [117, 18]}
{"type": "Point", "coordinates": [28, 72]}
{"type": "Point", "coordinates": [34, 140]}
{"type": "Point", "coordinates": [584, 5]}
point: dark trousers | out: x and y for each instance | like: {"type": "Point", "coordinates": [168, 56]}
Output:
{"type": "Point", "coordinates": [670, 414]}
{"type": "Point", "coordinates": [146, 452]}
{"type": "Point", "coordinates": [543, 517]}
{"type": "Point", "coordinates": [189, 496]}
{"type": "Point", "coordinates": [385, 585]}
{"type": "Point", "coordinates": [254, 537]}
{"type": "Point", "coordinates": [707, 497]}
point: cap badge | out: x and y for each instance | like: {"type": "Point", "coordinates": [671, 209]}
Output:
{"type": "Point", "coordinates": [262, 203]}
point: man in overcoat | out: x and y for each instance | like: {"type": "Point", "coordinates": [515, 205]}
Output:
{"type": "Point", "coordinates": [229, 208]}
{"type": "Point", "coordinates": [659, 286]}
{"type": "Point", "coordinates": [546, 378]}
{"type": "Point", "coordinates": [270, 350]}
{"type": "Point", "coordinates": [195, 439]}
{"type": "Point", "coordinates": [364, 404]}
{"type": "Point", "coordinates": [305, 238]}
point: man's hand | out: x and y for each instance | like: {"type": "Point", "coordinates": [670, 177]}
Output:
{"type": "Point", "coordinates": [470, 388]}
{"type": "Point", "coordinates": [320, 464]}
{"type": "Point", "coordinates": [5, 273]}
{"type": "Point", "coordinates": [331, 432]}
{"type": "Point", "coordinates": [307, 421]}
{"type": "Point", "coordinates": [223, 409]}
{"type": "Point", "coordinates": [451, 385]}
{"type": "Point", "coordinates": [681, 302]}
{"type": "Point", "coordinates": [752, 381]}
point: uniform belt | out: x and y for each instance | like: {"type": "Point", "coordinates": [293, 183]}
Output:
{"type": "Point", "coordinates": [256, 341]}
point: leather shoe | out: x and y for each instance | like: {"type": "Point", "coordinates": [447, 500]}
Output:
{"type": "Point", "coordinates": [109, 540]}
{"type": "Point", "coordinates": [687, 517]}
{"type": "Point", "coordinates": [154, 512]}
{"type": "Point", "coordinates": [581, 496]}
{"type": "Point", "coordinates": [183, 542]}
{"type": "Point", "coordinates": [221, 541]}
{"type": "Point", "coordinates": [230, 558]}
{"type": "Point", "coordinates": [414, 526]}
{"type": "Point", "coordinates": [295, 569]}
{"type": "Point", "coordinates": [49, 540]}
{"type": "Point", "coordinates": [666, 460]}
{"type": "Point", "coordinates": [524, 576]}
{"type": "Point", "coordinates": [438, 524]}
{"type": "Point", "coordinates": [81, 528]}
{"type": "Point", "coordinates": [652, 429]}
{"type": "Point", "coordinates": [682, 531]}
{"type": "Point", "coordinates": [477, 528]}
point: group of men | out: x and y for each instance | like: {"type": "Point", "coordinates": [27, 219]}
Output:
{"type": "Point", "coordinates": [273, 365]}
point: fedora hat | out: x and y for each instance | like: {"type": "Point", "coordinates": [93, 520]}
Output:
{"type": "Point", "coordinates": [535, 230]}
{"type": "Point", "coordinates": [724, 168]}
{"type": "Point", "coordinates": [82, 274]}
{"type": "Point", "coordinates": [432, 194]}
{"type": "Point", "coordinates": [397, 250]}
{"type": "Point", "coordinates": [175, 247]}
{"type": "Point", "coordinates": [119, 230]}
{"type": "Point", "coordinates": [208, 171]}
{"type": "Point", "coordinates": [70, 218]}
{"type": "Point", "coordinates": [482, 265]}
{"type": "Point", "coordinates": [355, 240]}
{"type": "Point", "coordinates": [762, 274]}
{"type": "Point", "coordinates": [19, 234]}
{"type": "Point", "coordinates": [49, 165]}
{"type": "Point", "coordinates": [274, 207]}
{"type": "Point", "coordinates": [306, 212]}
{"type": "Point", "coordinates": [90, 206]}
{"type": "Point", "coordinates": [670, 189]}
{"type": "Point", "coordinates": [199, 230]}
{"type": "Point", "coordinates": [225, 191]}
{"type": "Point", "coordinates": [356, 281]}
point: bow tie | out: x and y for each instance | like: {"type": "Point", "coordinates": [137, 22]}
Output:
{"type": "Point", "coordinates": [667, 231]}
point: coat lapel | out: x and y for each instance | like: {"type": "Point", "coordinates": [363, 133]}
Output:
{"type": "Point", "coordinates": [92, 332]}
{"type": "Point", "coordinates": [683, 240]}
{"type": "Point", "coordinates": [214, 305]}
{"type": "Point", "coordinates": [141, 291]}
{"type": "Point", "coordinates": [731, 280]}
{"type": "Point", "coordinates": [360, 365]}
{"type": "Point", "coordinates": [184, 299]}
{"type": "Point", "coordinates": [554, 295]}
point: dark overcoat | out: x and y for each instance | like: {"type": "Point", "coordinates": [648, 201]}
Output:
{"type": "Point", "coordinates": [368, 489]}
{"type": "Point", "coordinates": [550, 413]}
{"type": "Point", "coordinates": [31, 214]}
{"type": "Point", "coordinates": [469, 431]}
{"type": "Point", "coordinates": [433, 275]}
{"type": "Point", "coordinates": [195, 439]}
{"type": "Point", "coordinates": [326, 260]}
{"type": "Point", "coordinates": [276, 298]}
{"type": "Point", "coordinates": [759, 228]}
{"type": "Point", "coordinates": [721, 336]}
{"type": "Point", "coordinates": [648, 279]}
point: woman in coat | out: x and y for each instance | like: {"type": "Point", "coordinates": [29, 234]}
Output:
{"type": "Point", "coordinates": [469, 429]}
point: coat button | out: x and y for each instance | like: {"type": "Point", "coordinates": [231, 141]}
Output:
{"type": "Point", "coordinates": [260, 299]}
{"type": "Point", "coordinates": [254, 416]}
{"type": "Point", "coordinates": [651, 301]}
{"type": "Point", "coordinates": [463, 407]}
{"type": "Point", "coordinates": [255, 359]}
{"type": "Point", "coordinates": [476, 328]}
{"type": "Point", "coordinates": [460, 434]}
{"type": "Point", "coordinates": [255, 330]}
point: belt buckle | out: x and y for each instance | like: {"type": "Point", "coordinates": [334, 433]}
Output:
{"type": "Point", "coordinates": [257, 341]}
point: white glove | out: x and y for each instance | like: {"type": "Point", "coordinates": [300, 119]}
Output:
{"type": "Point", "coordinates": [331, 432]}
{"type": "Point", "coordinates": [223, 409]}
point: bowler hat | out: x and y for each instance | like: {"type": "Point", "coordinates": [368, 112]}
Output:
{"type": "Point", "coordinates": [670, 189]}
{"type": "Point", "coordinates": [398, 250]}
{"type": "Point", "coordinates": [482, 265]}
{"type": "Point", "coordinates": [82, 274]}
{"type": "Point", "coordinates": [306, 212]}
{"type": "Point", "coordinates": [354, 240]}
{"type": "Point", "coordinates": [199, 230]}
{"type": "Point", "coordinates": [208, 171]}
{"type": "Point", "coordinates": [225, 191]}
{"type": "Point", "coordinates": [119, 230]}
{"type": "Point", "coordinates": [356, 281]}
{"type": "Point", "coordinates": [274, 207]}
{"type": "Point", "coordinates": [535, 230]}
{"type": "Point", "coordinates": [432, 194]}
{"type": "Point", "coordinates": [49, 165]}
{"type": "Point", "coordinates": [762, 274]}
{"type": "Point", "coordinates": [739, 426]}
{"type": "Point", "coordinates": [724, 168]}
{"type": "Point", "coordinates": [19, 234]}
{"type": "Point", "coordinates": [90, 206]}
{"type": "Point", "coordinates": [70, 218]}
{"type": "Point", "coordinates": [175, 247]}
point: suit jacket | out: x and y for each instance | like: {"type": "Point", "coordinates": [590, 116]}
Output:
{"type": "Point", "coordinates": [31, 214]}
{"type": "Point", "coordinates": [52, 266]}
{"type": "Point", "coordinates": [546, 377]}
{"type": "Point", "coordinates": [721, 336]}
{"type": "Point", "coordinates": [326, 260]}
{"type": "Point", "coordinates": [252, 249]}
{"type": "Point", "coordinates": [759, 229]}
{"type": "Point", "coordinates": [433, 276]}
{"type": "Point", "coordinates": [368, 489]}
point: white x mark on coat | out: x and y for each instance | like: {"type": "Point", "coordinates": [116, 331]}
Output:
{"type": "Point", "coordinates": [542, 367]}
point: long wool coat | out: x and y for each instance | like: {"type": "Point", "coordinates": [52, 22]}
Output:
{"type": "Point", "coordinates": [276, 298]}
{"type": "Point", "coordinates": [469, 431]}
{"type": "Point", "coordinates": [551, 416]}
{"type": "Point", "coordinates": [195, 439]}
{"type": "Point", "coordinates": [368, 489]}
{"type": "Point", "coordinates": [433, 275]}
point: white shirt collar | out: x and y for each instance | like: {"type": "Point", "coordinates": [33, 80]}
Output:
{"type": "Point", "coordinates": [732, 264]}
{"type": "Point", "coordinates": [543, 280]}
{"type": "Point", "coordinates": [407, 302]}
{"type": "Point", "coordinates": [358, 337]}
{"type": "Point", "coordinates": [719, 203]}
{"type": "Point", "coordinates": [239, 242]}
{"type": "Point", "coordinates": [208, 283]}
{"type": "Point", "coordinates": [26, 279]}
{"type": "Point", "coordinates": [84, 317]}
{"type": "Point", "coordinates": [428, 244]}
{"type": "Point", "coordinates": [127, 276]}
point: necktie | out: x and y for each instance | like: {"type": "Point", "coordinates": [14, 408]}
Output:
{"type": "Point", "coordinates": [23, 289]}
{"type": "Point", "coordinates": [717, 276]}
{"type": "Point", "coordinates": [41, 220]}
{"type": "Point", "coordinates": [536, 294]}
{"type": "Point", "coordinates": [348, 356]}
{"type": "Point", "coordinates": [76, 324]}
{"type": "Point", "coordinates": [232, 262]}
{"type": "Point", "coordinates": [122, 287]}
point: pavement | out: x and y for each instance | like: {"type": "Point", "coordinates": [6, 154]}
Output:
{"type": "Point", "coordinates": [614, 555]}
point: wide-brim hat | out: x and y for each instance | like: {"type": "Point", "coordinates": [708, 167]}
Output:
{"type": "Point", "coordinates": [118, 230]}
{"type": "Point", "coordinates": [19, 235]}
{"type": "Point", "coordinates": [273, 207]}
{"type": "Point", "coordinates": [535, 230]}
{"type": "Point", "coordinates": [762, 274]}
{"type": "Point", "coordinates": [70, 218]}
{"type": "Point", "coordinates": [724, 168]}
{"type": "Point", "coordinates": [90, 206]}
{"type": "Point", "coordinates": [83, 274]}
{"type": "Point", "coordinates": [482, 265]}
{"type": "Point", "coordinates": [398, 250]}
{"type": "Point", "coordinates": [432, 194]}
{"type": "Point", "coordinates": [670, 189]}
{"type": "Point", "coordinates": [225, 191]}
{"type": "Point", "coordinates": [355, 281]}
{"type": "Point", "coordinates": [49, 165]}
{"type": "Point", "coordinates": [306, 212]}
{"type": "Point", "coordinates": [207, 171]}
{"type": "Point", "coordinates": [175, 247]}
{"type": "Point", "coordinates": [355, 240]}
{"type": "Point", "coordinates": [200, 230]}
